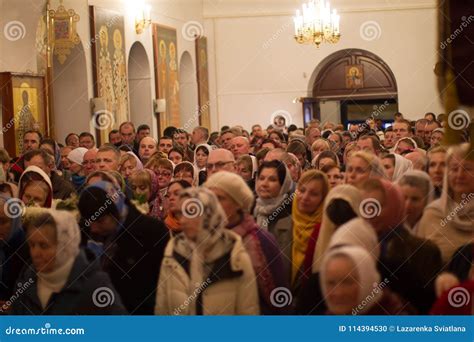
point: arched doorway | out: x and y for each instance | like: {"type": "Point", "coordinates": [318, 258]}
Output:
{"type": "Point", "coordinates": [70, 95]}
{"type": "Point", "coordinates": [349, 86]}
{"type": "Point", "coordinates": [188, 93]}
{"type": "Point", "coordinates": [139, 81]}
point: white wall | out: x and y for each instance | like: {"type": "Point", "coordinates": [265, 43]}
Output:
{"type": "Point", "coordinates": [259, 68]}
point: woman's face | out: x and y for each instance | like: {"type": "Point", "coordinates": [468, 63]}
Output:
{"type": "Point", "coordinates": [127, 169]}
{"type": "Point", "coordinates": [335, 177]}
{"type": "Point", "coordinates": [190, 224]}
{"type": "Point", "coordinates": [175, 157]}
{"type": "Point", "coordinates": [34, 194]}
{"type": "Point", "coordinates": [342, 285]}
{"type": "Point", "coordinates": [318, 148]}
{"type": "Point", "coordinates": [201, 159]}
{"type": "Point", "coordinates": [415, 202]}
{"type": "Point", "coordinates": [436, 138]}
{"type": "Point", "coordinates": [389, 167]}
{"type": "Point", "coordinates": [140, 189]}
{"type": "Point", "coordinates": [43, 247]}
{"type": "Point", "coordinates": [358, 171]}
{"type": "Point", "coordinates": [74, 167]}
{"type": "Point", "coordinates": [173, 196]}
{"type": "Point", "coordinates": [275, 137]}
{"type": "Point", "coordinates": [461, 175]}
{"type": "Point", "coordinates": [244, 171]}
{"type": "Point", "coordinates": [231, 208]}
{"type": "Point", "coordinates": [164, 177]}
{"type": "Point", "coordinates": [325, 161]}
{"type": "Point", "coordinates": [310, 196]}
{"type": "Point", "coordinates": [403, 147]}
{"type": "Point", "coordinates": [267, 184]}
{"type": "Point", "coordinates": [184, 175]}
{"type": "Point", "coordinates": [437, 167]}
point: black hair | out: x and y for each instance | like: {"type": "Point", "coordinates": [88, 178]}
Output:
{"type": "Point", "coordinates": [274, 164]}
{"type": "Point", "coordinates": [340, 211]}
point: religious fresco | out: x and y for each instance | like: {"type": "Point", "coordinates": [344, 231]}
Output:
{"type": "Point", "coordinates": [203, 82]}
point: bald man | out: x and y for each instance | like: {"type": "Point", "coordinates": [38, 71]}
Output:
{"type": "Point", "coordinates": [88, 162]}
{"type": "Point", "coordinates": [148, 146]}
{"type": "Point", "coordinates": [240, 146]}
{"type": "Point", "coordinates": [220, 160]}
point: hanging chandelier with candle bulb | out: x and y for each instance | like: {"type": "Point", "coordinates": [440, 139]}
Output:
{"type": "Point", "coordinates": [317, 24]}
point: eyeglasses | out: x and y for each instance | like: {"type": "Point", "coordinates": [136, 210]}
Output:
{"type": "Point", "coordinates": [218, 165]}
{"type": "Point", "coordinates": [163, 174]}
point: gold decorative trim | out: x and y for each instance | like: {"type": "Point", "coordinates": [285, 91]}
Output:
{"type": "Point", "coordinates": [63, 34]}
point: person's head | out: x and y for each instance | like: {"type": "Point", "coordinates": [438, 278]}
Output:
{"type": "Point", "coordinates": [293, 165]}
{"type": "Point", "coordinates": [181, 138]}
{"type": "Point", "coordinates": [319, 146]}
{"type": "Point", "coordinates": [418, 192]}
{"type": "Point", "coordinates": [186, 171]}
{"type": "Point", "coordinates": [76, 160]}
{"type": "Point", "coordinates": [105, 196]}
{"type": "Point", "coordinates": [273, 180]}
{"type": "Point", "coordinates": [53, 238]}
{"type": "Point", "coordinates": [39, 158]}
{"type": "Point", "coordinates": [348, 277]}
{"type": "Point", "coordinates": [64, 153]}
{"type": "Point", "coordinates": [163, 169]}
{"type": "Point", "coordinates": [176, 155]}
{"type": "Point", "coordinates": [127, 133]}
{"type": "Point", "coordinates": [220, 160]}
{"type": "Point", "coordinates": [233, 194]}
{"type": "Point", "coordinates": [336, 139]}
{"type": "Point", "coordinates": [298, 148]}
{"type": "Point", "coordinates": [108, 158]}
{"type": "Point", "coordinates": [129, 164]}
{"type": "Point", "coordinates": [437, 165]}
{"type": "Point", "coordinates": [405, 145]}
{"type": "Point", "coordinates": [278, 137]}
{"type": "Point", "coordinates": [311, 191]}
{"type": "Point", "coordinates": [398, 117]}
{"type": "Point", "coordinates": [275, 154]}
{"type": "Point", "coordinates": [226, 139]}
{"type": "Point", "coordinates": [31, 141]}
{"type": "Point", "coordinates": [239, 146]}
{"type": "Point", "coordinates": [115, 138]}
{"type": "Point", "coordinates": [418, 159]}
{"type": "Point", "coordinates": [244, 167]}
{"type": "Point", "coordinates": [436, 137]}
{"type": "Point", "coordinates": [388, 162]}
{"type": "Point", "coordinates": [326, 158]}
{"type": "Point", "coordinates": [270, 144]}
{"type": "Point", "coordinates": [420, 128]}
{"type": "Point", "coordinates": [311, 134]}
{"type": "Point", "coordinates": [362, 166]}
{"type": "Point", "coordinates": [140, 183]}
{"type": "Point", "coordinates": [148, 146]}
{"type": "Point", "coordinates": [370, 144]}
{"type": "Point", "coordinates": [88, 161]}
{"type": "Point", "coordinates": [35, 189]}
{"type": "Point", "coordinates": [86, 140]}
{"type": "Point", "coordinates": [334, 175]}
{"type": "Point", "coordinates": [142, 132]}
{"type": "Point", "coordinates": [201, 216]}
{"type": "Point", "coordinates": [169, 131]}
{"type": "Point", "coordinates": [257, 131]}
{"type": "Point", "coordinates": [382, 205]}
{"type": "Point", "coordinates": [390, 138]}
{"type": "Point", "coordinates": [460, 172]}
{"type": "Point", "coordinates": [165, 144]}
{"type": "Point", "coordinates": [201, 154]}
{"type": "Point", "coordinates": [175, 188]}
{"type": "Point", "coordinates": [430, 116]}
{"type": "Point", "coordinates": [429, 128]}
{"type": "Point", "coordinates": [49, 145]}
{"type": "Point", "coordinates": [200, 135]}
{"type": "Point", "coordinates": [402, 129]}
{"type": "Point", "coordinates": [72, 139]}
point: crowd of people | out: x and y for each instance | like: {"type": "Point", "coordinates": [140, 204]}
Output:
{"type": "Point", "coordinates": [325, 219]}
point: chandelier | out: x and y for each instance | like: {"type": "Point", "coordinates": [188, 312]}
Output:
{"type": "Point", "coordinates": [317, 24]}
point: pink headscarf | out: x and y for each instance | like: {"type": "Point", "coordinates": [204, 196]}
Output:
{"type": "Point", "coordinates": [393, 213]}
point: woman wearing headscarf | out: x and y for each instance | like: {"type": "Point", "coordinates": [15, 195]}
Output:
{"type": "Point", "coordinates": [188, 172]}
{"type": "Point", "coordinates": [395, 166]}
{"type": "Point", "coordinates": [76, 158]}
{"type": "Point", "coordinates": [206, 269]}
{"type": "Point", "coordinates": [448, 221]}
{"type": "Point", "coordinates": [272, 210]}
{"type": "Point", "coordinates": [418, 192]}
{"type": "Point", "coordinates": [352, 285]}
{"type": "Point", "coordinates": [236, 199]}
{"type": "Point", "coordinates": [14, 253]}
{"type": "Point", "coordinates": [35, 188]}
{"type": "Point", "coordinates": [410, 263]}
{"type": "Point", "coordinates": [63, 280]}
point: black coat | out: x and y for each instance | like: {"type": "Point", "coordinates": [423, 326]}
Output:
{"type": "Point", "coordinates": [62, 189]}
{"type": "Point", "coordinates": [134, 258]}
{"type": "Point", "coordinates": [77, 297]}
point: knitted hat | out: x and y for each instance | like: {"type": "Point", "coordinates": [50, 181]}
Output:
{"type": "Point", "coordinates": [77, 155]}
{"type": "Point", "coordinates": [234, 186]}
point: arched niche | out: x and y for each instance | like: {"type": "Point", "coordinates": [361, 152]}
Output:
{"type": "Point", "coordinates": [188, 92]}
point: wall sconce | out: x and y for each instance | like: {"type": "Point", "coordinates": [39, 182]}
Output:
{"type": "Point", "coordinates": [142, 19]}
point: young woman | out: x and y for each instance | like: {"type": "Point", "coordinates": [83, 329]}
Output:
{"type": "Point", "coordinates": [35, 189]}
{"type": "Point", "coordinates": [186, 171]}
{"type": "Point", "coordinates": [129, 163]}
{"type": "Point", "coordinates": [170, 206]}
{"type": "Point", "coordinates": [362, 166]}
{"type": "Point", "coordinates": [176, 155]}
{"type": "Point", "coordinates": [201, 153]}
{"type": "Point", "coordinates": [335, 177]}
{"type": "Point", "coordinates": [206, 269]}
{"type": "Point", "coordinates": [395, 166]}
{"type": "Point", "coordinates": [326, 158]}
{"type": "Point", "coordinates": [64, 281]}
{"type": "Point", "coordinates": [319, 145]}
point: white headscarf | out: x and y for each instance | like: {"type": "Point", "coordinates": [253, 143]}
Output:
{"type": "Point", "coordinates": [208, 148]}
{"type": "Point", "coordinates": [402, 165]}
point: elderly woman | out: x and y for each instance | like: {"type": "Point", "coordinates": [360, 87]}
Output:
{"type": "Point", "coordinates": [64, 280]}
{"type": "Point", "coordinates": [236, 199]}
{"type": "Point", "coordinates": [35, 188]}
{"type": "Point", "coordinates": [206, 269]}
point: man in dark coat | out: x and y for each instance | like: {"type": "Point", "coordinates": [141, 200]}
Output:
{"type": "Point", "coordinates": [130, 245]}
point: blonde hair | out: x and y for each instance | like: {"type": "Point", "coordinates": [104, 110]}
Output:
{"type": "Point", "coordinates": [376, 168]}
{"type": "Point", "coordinates": [315, 175]}
{"type": "Point", "coordinates": [140, 177]}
